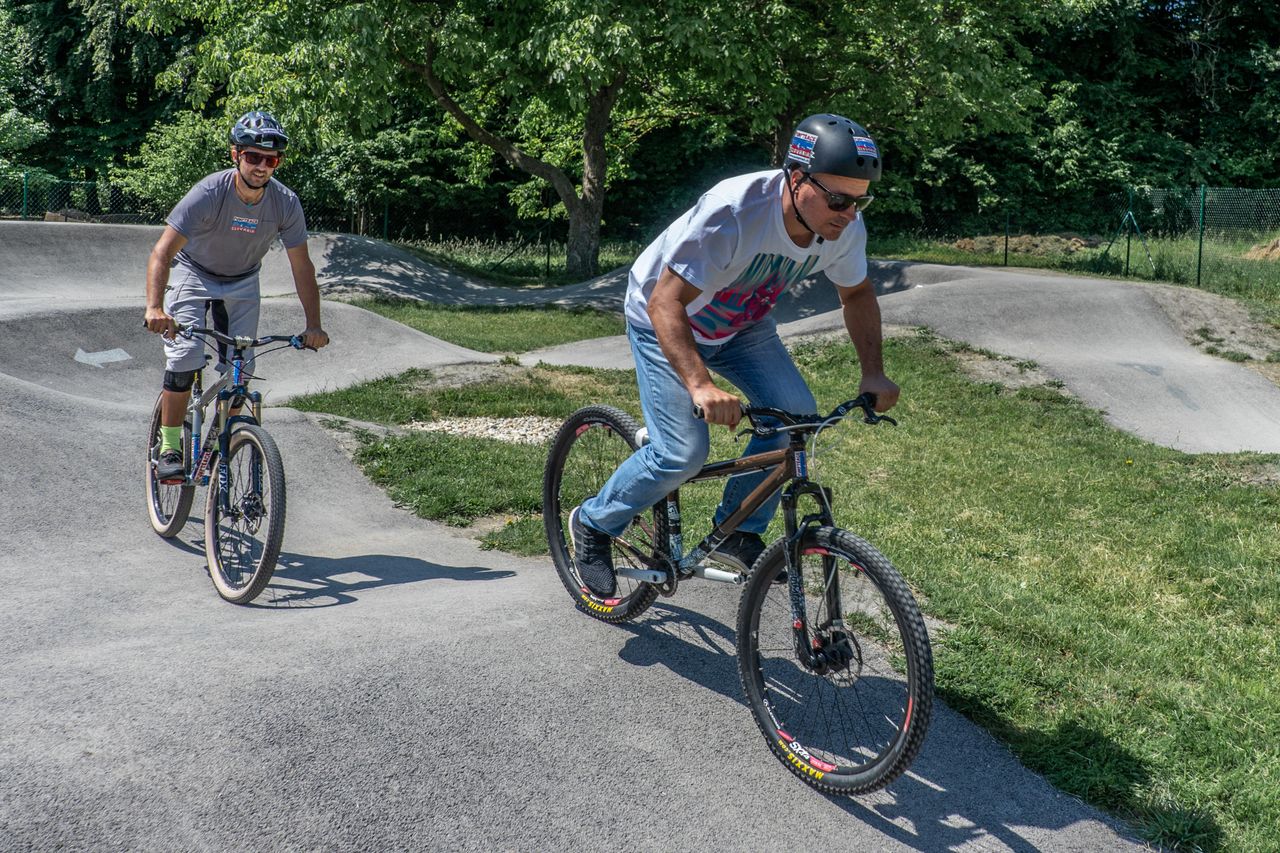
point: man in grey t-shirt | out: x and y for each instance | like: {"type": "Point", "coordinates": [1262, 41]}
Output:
{"type": "Point", "coordinates": [214, 241]}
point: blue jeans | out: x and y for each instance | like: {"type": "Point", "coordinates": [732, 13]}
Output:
{"type": "Point", "coordinates": [759, 365]}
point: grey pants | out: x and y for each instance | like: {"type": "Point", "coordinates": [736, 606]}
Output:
{"type": "Point", "coordinates": [230, 307]}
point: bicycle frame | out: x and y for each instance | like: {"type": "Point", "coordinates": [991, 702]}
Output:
{"type": "Point", "coordinates": [788, 471]}
{"type": "Point", "coordinates": [789, 466]}
{"type": "Point", "coordinates": [230, 392]}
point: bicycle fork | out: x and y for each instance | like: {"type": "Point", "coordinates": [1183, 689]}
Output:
{"type": "Point", "coordinates": [832, 650]}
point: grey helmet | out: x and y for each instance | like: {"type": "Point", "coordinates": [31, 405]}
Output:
{"type": "Point", "coordinates": [833, 145]}
{"type": "Point", "coordinates": [260, 130]}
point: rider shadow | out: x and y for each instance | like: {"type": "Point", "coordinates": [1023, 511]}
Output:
{"type": "Point", "coordinates": [690, 644]}
{"type": "Point", "coordinates": [301, 580]}
{"type": "Point", "coordinates": [964, 788]}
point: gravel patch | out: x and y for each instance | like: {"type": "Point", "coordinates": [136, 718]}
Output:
{"type": "Point", "coordinates": [525, 430]}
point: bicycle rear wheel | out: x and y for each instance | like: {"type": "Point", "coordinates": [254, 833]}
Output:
{"type": "Point", "coordinates": [167, 506]}
{"type": "Point", "coordinates": [242, 540]}
{"type": "Point", "coordinates": [589, 447]}
{"type": "Point", "coordinates": [855, 724]}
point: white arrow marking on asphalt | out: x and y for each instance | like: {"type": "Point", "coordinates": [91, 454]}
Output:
{"type": "Point", "coordinates": [106, 356]}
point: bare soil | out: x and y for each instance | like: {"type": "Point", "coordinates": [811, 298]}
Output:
{"type": "Point", "coordinates": [1219, 325]}
{"type": "Point", "coordinates": [1030, 244]}
{"type": "Point", "coordinates": [1265, 251]}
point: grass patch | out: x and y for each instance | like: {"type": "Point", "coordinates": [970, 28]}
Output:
{"type": "Point", "coordinates": [1114, 603]}
{"type": "Point", "coordinates": [498, 329]}
{"type": "Point", "coordinates": [515, 263]}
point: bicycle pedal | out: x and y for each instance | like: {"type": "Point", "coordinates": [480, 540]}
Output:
{"type": "Point", "coordinates": [711, 573]}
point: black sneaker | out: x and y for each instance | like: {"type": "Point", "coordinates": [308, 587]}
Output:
{"type": "Point", "coordinates": [740, 551]}
{"type": "Point", "coordinates": [593, 554]}
{"type": "Point", "coordinates": [169, 468]}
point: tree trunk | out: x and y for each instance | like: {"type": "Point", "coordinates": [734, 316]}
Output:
{"type": "Point", "coordinates": [585, 211]}
{"type": "Point", "coordinates": [583, 251]}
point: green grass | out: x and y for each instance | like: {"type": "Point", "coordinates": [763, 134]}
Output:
{"type": "Point", "coordinates": [516, 263]}
{"type": "Point", "coordinates": [1113, 604]}
{"type": "Point", "coordinates": [498, 329]}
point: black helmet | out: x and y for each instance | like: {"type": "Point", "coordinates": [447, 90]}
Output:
{"type": "Point", "coordinates": [261, 130]}
{"type": "Point", "coordinates": [834, 145]}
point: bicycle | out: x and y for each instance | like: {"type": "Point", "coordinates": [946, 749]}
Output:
{"type": "Point", "coordinates": [239, 462]}
{"type": "Point", "coordinates": [834, 659]}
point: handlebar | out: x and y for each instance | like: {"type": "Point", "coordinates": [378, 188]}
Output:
{"type": "Point", "coordinates": [242, 342]}
{"type": "Point", "coordinates": [793, 422]}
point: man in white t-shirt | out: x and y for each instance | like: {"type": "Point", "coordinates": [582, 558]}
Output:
{"type": "Point", "coordinates": [699, 299]}
{"type": "Point", "coordinates": [214, 241]}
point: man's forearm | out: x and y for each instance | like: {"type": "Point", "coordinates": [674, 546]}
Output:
{"type": "Point", "coordinates": [157, 278]}
{"type": "Point", "coordinates": [309, 296]}
{"type": "Point", "coordinates": [671, 327]}
{"type": "Point", "coordinates": [862, 321]}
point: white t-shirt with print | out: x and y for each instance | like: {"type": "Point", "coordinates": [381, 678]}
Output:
{"type": "Point", "coordinates": [733, 246]}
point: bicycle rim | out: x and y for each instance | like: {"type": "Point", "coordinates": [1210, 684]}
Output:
{"type": "Point", "coordinates": [589, 447]}
{"type": "Point", "coordinates": [167, 505]}
{"type": "Point", "coordinates": [858, 726]}
{"type": "Point", "coordinates": [243, 542]}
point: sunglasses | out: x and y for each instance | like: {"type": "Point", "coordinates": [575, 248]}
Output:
{"type": "Point", "coordinates": [253, 158]}
{"type": "Point", "coordinates": [841, 201]}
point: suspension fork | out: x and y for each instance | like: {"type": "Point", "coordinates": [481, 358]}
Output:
{"type": "Point", "coordinates": [806, 644]}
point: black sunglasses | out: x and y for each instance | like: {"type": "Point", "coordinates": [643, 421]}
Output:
{"type": "Point", "coordinates": [841, 201]}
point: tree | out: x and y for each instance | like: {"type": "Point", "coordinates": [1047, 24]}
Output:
{"type": "Point", "coordinates": [90, 80]}
{"type": "Point", "coordinates": [521, 78]}
{"type": "Point", "coordinates": [17, 129]}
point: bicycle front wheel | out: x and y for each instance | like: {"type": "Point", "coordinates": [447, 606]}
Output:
{"type": "Point", "coordinates": [167, 505]}
{"type": "Point", "coordinates": [589, 447]}
{"type": "Point", "coordinates": [853, 719]}
{"type": "Point", "coordinates": [244, 525]}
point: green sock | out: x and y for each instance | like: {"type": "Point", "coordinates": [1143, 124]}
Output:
{"type": "Point", "coordinates": [170, 438]}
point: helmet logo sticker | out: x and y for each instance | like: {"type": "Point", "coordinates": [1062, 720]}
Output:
{"type": "Point", "coordinates": [865, 146]}
{"type": "Point", "coordinates": [802, 146]}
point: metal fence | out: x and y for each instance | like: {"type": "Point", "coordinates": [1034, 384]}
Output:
{"type": "Point", "coordinates": [1227, 239]}
{"type": "Point", "coordinates": [36, 196]}
{"type": "Point", "coordinates": [1224, 238]}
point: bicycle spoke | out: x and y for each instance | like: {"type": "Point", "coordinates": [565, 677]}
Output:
{"type": "Point", "coordinates": [843, 721]}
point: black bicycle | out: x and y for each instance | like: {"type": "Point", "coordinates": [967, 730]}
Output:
{"type": "Point", "coordinates": [834, 659]}
{"type": "Point", "coordinates": [239, 462]}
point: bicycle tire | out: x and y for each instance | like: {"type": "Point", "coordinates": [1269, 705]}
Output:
{"type": "Point", "coordinates": [588, 448]}
{"type": "Point", "coordinates": [168, 506]}
{"type": "Point", "coordinates": [242, 547]}
{"type": "Point", "coordinates": [857, 728]}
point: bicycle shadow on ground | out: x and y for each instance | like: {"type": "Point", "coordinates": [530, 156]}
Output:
{"type": "Point", "coordinates": [690, 644]}
{"type": "Point", "coordinates": [303, 580]}
{"type": "Point", "coordinates": [964, 788]}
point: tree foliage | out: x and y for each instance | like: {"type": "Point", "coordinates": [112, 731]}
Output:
{"type": "Point", "coordinates": [614, 115]}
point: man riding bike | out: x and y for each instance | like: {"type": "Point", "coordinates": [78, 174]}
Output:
{"type": "Point", "coordinates": [699, 299]}
{"type": "Point", "coordinates": [214, 240]}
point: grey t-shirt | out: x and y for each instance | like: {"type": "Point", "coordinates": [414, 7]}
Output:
{"type": "Point", "coordinates": [226, 238]}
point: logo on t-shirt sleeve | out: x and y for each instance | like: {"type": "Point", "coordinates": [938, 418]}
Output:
{"type": "Point", "coordinates": [245, 224]}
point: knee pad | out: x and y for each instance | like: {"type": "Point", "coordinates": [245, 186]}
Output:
{"type": "Point", "coordinates": [179, 380]}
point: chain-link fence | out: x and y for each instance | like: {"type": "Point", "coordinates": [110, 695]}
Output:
{"type": "Point", "coordinates": [37, 196]}
{"type": "Point", "coordinates": [1225, 239]}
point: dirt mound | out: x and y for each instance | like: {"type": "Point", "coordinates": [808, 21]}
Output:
{"type": "Point", "coordinates": [1029, 244]}
{"type": "Point", "coordinates": [1265, 251]}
